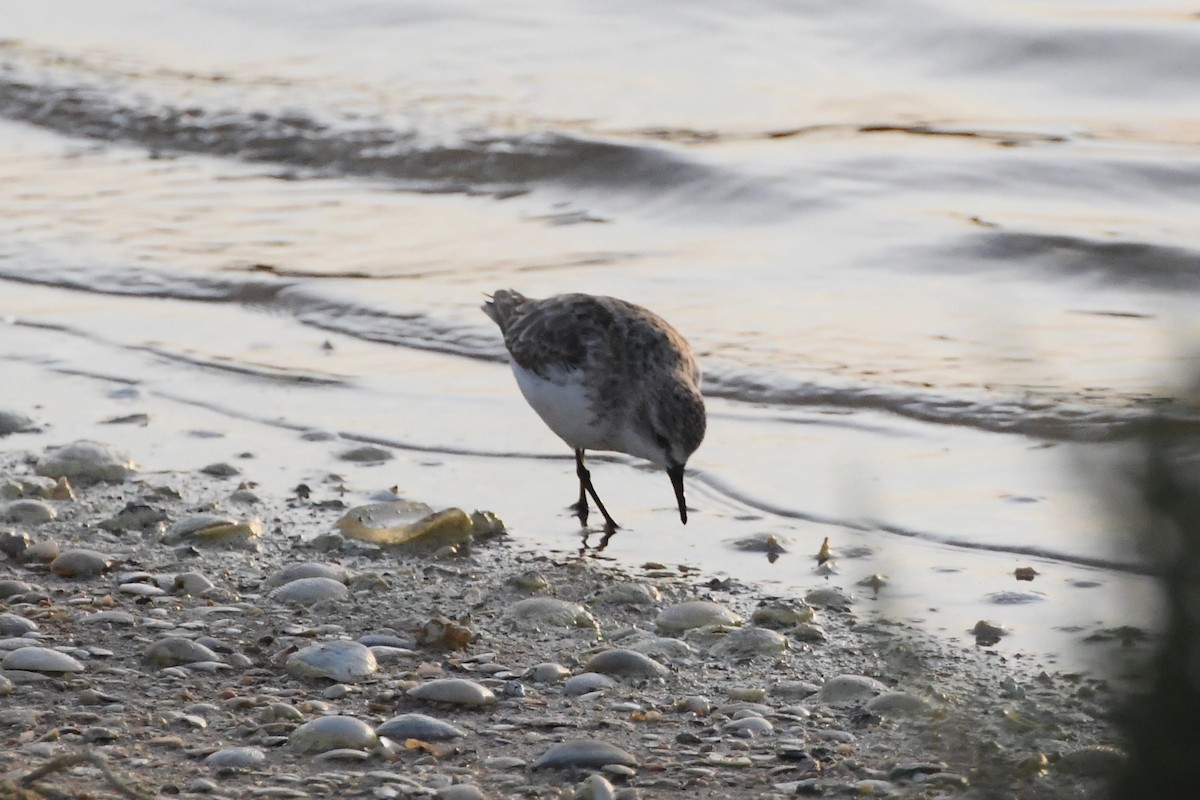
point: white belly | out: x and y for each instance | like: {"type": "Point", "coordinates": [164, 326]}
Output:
{"type": "Point", "coordinates": [563, 405]}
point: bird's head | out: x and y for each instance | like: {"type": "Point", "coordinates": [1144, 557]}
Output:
{"type": "Point", "coordinates": [668, 430]}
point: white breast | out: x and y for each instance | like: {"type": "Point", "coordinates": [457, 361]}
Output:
{"type": "Point", "coordinates": [562, 403]}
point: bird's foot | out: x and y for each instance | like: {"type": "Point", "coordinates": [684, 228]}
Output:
{"type": "Point", "coordinates": [580, 509]}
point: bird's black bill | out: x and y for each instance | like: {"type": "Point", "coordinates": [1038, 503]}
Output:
{"type": "Point", "coordinates": [676, 475]}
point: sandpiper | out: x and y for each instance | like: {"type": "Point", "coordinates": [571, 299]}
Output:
{"type": "Point", "coordinates": [605, 374]}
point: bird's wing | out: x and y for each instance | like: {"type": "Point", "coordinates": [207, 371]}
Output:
{"type": "Point", "coordinates": [558, 332]}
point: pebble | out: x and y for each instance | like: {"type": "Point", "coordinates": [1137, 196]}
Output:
{"type": "Point", "coordinates": [849, 689]}
{"type": "Point", "coordinates": [586, 683]}
{"type": "Point", "coordinates": [175, 650]}
{"type": "Point", "coordinates": [123, 618]}
{"type": "Point", "coordinates": [782, 615]}
{"type": "Point", "coordinates": [386, 640]}
{"type": "Point", "coordinates": [366, 454]}
{"type": "Point", "coordinates": [1097, 761]}
{"type": "Point", "coordinates": [748, 727]}
{"type": "Point", "coordinates": [1014, 598]}
{"type": "Point", "coordinates": [694, 703]}
{"type": "Point", "coordinates": [454, 691]}
{"type": "Point", "coordinates": [829, 597]}
{"type": "Point", "coordinates": [213, 530]}
{"type": "Point", "coordinates": [597, 787]}
{"type": "Point", "coordinates": [386, 655]}
{"type": "Point", "coordinates": [530, 581]}
{"type": "Point", "coordinates": [794, 690]}
{"type": "Point", "coordinates": [9, 588]}
{"type": "Point", "coordinates": [244, 496]}
{"type": "Point", "coordinates": [694, 614]}
{"type": "Point", "coordinates": [307, 591]}
{"type": "Point", "coordinates": [988, 633]}
{"type": "Point", "coordinates": [750, 642]}
{"type": "Point", "coordinates": [42, 552]}
{"type": "Point", "coordinates": [342, 754]}
{"type": "Point", "coordinates": [14, 543]}
{"type": "Point", "coordinates": [134, 517]}
{"type": "Point", "coordinates": [664, 647]}
{"type": "Point", "coordinates": [461, 791]}
{"type": "Point", "coordinates": [419, 726]}
{"type": "Point", "coordinates": [333, 733]}
{"type": "Point", "coordinates": [546, 672]}
{"type": "Point", "coordinates": [29, 486]}
{"type": "Point", "coordinates": [377, 520]}
{"type": "Point", "coordinates": [808, 632]}
{"type": "Point", "coordinates": [86, 462]}
{"type": "Point", "coordinates": [769, 543]}
{"type": "Point", "coordinates": [141, 590]}
{"type": "Point", "coordinates": [27, 512]}
{"type": "Point", "coordinates": [588, 753]}
{"type": "Point", "coordinates": [307, 569]}
{"type": "Point", "coordinates": [910, 769]}
{"type": "Point", "coordinates": [634, 593]}
{"type": "Point", "coordinates": [626, 664]}
{"type": "Point", "coordinates": [237, 758]}
{"type": "Point", "coordinates": [874, 582]}
{"type": "Point", "coordinates": [80, 563]}
{"type": "Point", "coordinates": [192, 583]}
{"type": "Point", "coordinates": [536, 612]}
{"type": "Point", "coordinates": [40, 659]}
{"type": "Point", "coordinates": [13, 625]}
{"type": "Point", "coordinates": [874, 788]}
{"type": "Point", "coordinates": [339, 660]}
{"type": "Point", "coordinates": [898, 704]}
{"type": "Point", "coordinates": [14, 422]}
{"type": "Point", "coordinates": [221, 470]}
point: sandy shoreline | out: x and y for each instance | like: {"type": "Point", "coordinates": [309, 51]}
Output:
{"type": "Point", "coordinates": [750, 709]}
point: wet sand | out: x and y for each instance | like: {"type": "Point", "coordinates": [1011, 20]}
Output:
{"type": "Point", "coordinates": [849, 702]}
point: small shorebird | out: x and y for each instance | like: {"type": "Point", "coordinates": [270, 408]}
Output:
{"type": "Point", "coordinates": [605, 374]}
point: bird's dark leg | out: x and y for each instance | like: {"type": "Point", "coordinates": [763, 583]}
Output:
{"type": "Point", "coordinates": [586, 489]}
{"type": "Point", "coordinates": [581, 507]}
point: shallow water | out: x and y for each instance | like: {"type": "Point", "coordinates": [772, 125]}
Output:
{"type": "Point", "coordinates": [938, 260]}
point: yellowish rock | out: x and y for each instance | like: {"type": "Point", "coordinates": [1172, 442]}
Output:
{"type": "Point", "coordinates": [405, 523]}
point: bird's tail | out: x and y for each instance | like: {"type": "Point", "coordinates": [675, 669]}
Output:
{"type": "Point", "coordinates": [502, 305]}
